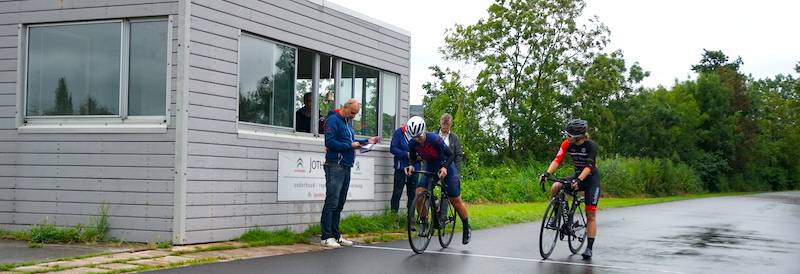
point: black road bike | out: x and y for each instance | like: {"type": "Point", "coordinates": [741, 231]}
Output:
{"type": "Point", "coordinates": [431, 212]}
{"type": "Point", "coordinates": [563, 218]}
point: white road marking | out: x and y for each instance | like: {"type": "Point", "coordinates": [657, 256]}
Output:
{"type": "Point", "coordinates": [521, 259]}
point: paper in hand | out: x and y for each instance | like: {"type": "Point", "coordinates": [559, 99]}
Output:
{"type": "Point", "coordinates": [366, 148]}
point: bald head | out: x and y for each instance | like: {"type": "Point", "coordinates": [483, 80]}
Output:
{"type": "Point", "coordinates": [351, 108]}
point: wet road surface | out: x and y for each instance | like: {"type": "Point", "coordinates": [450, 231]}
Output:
{"type": "Point", "coordinates": [742, 234]}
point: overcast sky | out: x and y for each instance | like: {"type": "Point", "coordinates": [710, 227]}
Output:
{"type": "Point", "coordinates": [665, 37]}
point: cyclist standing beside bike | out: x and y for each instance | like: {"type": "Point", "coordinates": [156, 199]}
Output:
{"type": "Point", "coordinates": [438, 158]}
{"type": "Point", "coordinates": [583, 152]}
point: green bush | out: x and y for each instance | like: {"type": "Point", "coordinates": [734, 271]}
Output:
{"type": "Point", "coordinates": [506, 184]}
{"type": "Point", "coordinates": [619, 177]}
{"type": "Point", "coordinates": [632, 177]}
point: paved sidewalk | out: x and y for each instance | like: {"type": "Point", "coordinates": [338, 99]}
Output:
{"type": "Point", "coordinates": [123, 261]}
{"type": "Point", "coordinates": [19, 251]}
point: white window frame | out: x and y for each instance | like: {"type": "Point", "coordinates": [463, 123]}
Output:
{"type": "Point", "coordinates": [396, 105]}
{"type": "Point", "coordinates": [379, 108]}
{"type": "Point", "coordinates": [122, 123]}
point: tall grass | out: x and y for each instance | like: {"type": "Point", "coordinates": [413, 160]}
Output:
{"type": "Point", "coordinates": [641, 177]}
{"type": "Point", "coordinates": [48, 233]}
{"type": "Point", "coordinates": [619, 177]}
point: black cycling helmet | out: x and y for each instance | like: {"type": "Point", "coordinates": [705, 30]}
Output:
{"type": "Point", "coordinates": [576, 127]}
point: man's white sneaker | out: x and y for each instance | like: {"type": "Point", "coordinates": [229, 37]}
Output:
{"type": "Point", "coordinates": [330, 242]}
{"type": "Point", "coordinates": [345, 242]}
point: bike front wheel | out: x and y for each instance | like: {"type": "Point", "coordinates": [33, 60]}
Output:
{"type": "Point", "coordinates": [420, 225]}
{"type": "Point", "coordinates": [578, 228]}
{"type": "Point", "coordinates": [548, 235]}
{"type": "Point", "coordinates": [447, 222]}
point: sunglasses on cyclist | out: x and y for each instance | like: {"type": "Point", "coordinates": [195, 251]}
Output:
{"type": "Point", "coordinates": [567, 135]}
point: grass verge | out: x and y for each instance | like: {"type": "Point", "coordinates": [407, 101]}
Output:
{"type": "Point", "coordinates": [259, 237]}
{"type": "Point", "coordinates": [389, 226]}
{"type": "Point", "coordinates": [493, 215]}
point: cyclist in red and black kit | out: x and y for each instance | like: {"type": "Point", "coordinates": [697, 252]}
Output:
{"type": "Point", "coordinates": [583, 152]}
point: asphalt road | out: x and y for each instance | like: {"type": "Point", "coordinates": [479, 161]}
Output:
{"type": "Point", "coordinates": [743, 234]}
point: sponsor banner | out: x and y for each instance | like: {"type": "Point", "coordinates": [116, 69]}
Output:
{"type": "Point", "coordinates": [301, 177]}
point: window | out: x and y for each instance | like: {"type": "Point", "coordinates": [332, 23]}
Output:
{"type": "Point", "coordinates": [304, 102]}
{"type": "Point", "coordinates": [284, 88]}
{"type": "Point", "coordinates": [361, 83]}
{"type": "Point", "coordinates": [266, 82]}
{"type": "Point", "coordinates": [327, 86]}
{"type": "Point", "coordinates": [390, 91]}
{"type": "Point", "coordinates": [147, 68]}
{"type": "Point", "coordinates": [108, 69]}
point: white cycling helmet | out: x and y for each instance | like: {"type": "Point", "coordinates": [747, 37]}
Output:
{"type": "Point", "coordinates": [415, 127]}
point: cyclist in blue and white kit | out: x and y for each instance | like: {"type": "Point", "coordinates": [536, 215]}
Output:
{"type": "Point", "coordinates": [438, 158]}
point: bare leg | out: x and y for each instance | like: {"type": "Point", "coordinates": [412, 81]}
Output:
{"type": "Point", "coordinates": [591, 224]}
{"type": "Point", "coordinates": [460, 207]}
{"type": "Point", "coordinates": [423, 212]}
{"type": "Point", "coordinates": [554, 189]}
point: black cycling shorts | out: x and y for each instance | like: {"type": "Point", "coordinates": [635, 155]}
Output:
{"type": "Point", "coordinates": [590, 188]}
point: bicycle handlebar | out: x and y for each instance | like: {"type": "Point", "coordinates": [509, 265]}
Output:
{"type": "Point", "coordinates": [541, 183]}
{"type": "Point", "coordinates": [425, 172]}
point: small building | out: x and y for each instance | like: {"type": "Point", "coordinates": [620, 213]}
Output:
{"type": "Point", "coordinates": [416, 110]}
{"type": "Point", "coordinates": [191, 120]}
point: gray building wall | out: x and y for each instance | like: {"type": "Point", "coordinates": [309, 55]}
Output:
{"type": "Point", "coordinates": [231, 181]}
{"type": "Point", "coordinates": [220, 183]}
{"type": "Point", "coordinates": [65, 178]}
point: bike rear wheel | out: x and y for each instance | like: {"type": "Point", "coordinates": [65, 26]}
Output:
{"type": "Point", "coordinates": [420, 225]}
{"type": "Point", "coordinates": [549, 235]}
{"type": "Point", "coordinates": [448, 222]}
{"type": "Point", "coordinates": [578, 237]}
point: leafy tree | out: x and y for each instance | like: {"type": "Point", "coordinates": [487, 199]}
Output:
{"type": "Point", "coordinates": [731, 128]}
{"type": "Point", "coordinates": [529, 51]}
{"type": "Point", "coordinates": [714, 60]}
{"type": "Point", "coordinates": [448, 94]}
{"type": "Point", "coordinates": [600, 89]}
{"type": "Point", "coordinates": [776, 157]}
{"type": "Point", "coordinates": [661, 123]}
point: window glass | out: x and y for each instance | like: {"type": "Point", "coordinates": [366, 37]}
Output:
{"type": "Point", "coordinates": [327, 88]}
{"type": "Point", "coordinates": [73, 70]}
{"type": "Point", "coordinates": [147, 83]}
{"type": "Point", "coordinates": [304, 97]}
{"type": "Point", "coordinates": [266, 82]}
{"type": "Point", "coordinates": [391, 89]}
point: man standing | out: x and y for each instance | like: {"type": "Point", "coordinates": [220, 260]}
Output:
{"type": "Point", "coordinates": [451, 139]}
{"type": "Point", "coordinates": [340, 144]}
{"type": "Point", "coordinates": [399, 149]}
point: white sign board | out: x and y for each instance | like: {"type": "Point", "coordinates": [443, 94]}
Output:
{"type": "Point", "coordinates": [301, 177]}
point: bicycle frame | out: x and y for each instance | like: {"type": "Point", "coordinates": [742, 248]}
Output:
{"type": "Point", "coordinates": [564, 212]}
{"type": "Point", "coordinates": [432, 184]}
{"type": "Point", "coordinates": [434, 208]}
